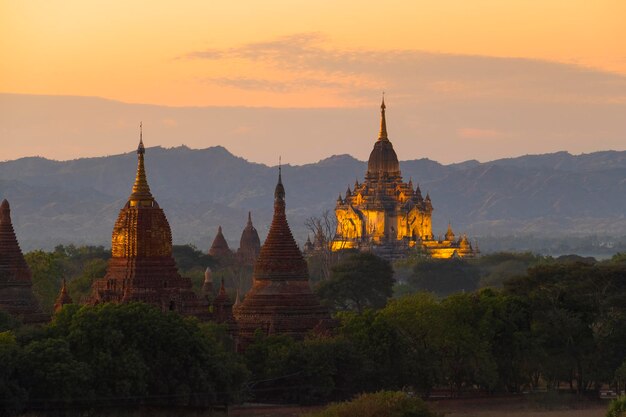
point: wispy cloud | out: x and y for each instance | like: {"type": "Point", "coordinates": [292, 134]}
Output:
{"type": "Point", "coordinates": [357, 72]}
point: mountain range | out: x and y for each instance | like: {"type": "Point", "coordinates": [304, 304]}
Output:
{"type": "Point", "coordinates": [555, 195]}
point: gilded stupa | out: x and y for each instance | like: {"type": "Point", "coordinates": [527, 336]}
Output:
{"type": "Point", "coordinates": [387, 215]}
{"type": "Point", "coordinates": [280, 300]}
{"type": "Point", "coordinates": [142, 267]}
{"type": "Point", "coordinates": [16, 286]}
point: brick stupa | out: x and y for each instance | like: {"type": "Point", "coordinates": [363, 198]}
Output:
{"type": "Point", "coordinates": [219, 248]}
{"type": "Point", "coordinates": [142, 267]}
{"type": "Point", "coordinates": [63, 298]}
{"type": "Point", "coordinates": [16, 292]}
{"type": "Point", "coordinates": [280, 300]}
{"type": "Point", "coordinates": [249, 244]}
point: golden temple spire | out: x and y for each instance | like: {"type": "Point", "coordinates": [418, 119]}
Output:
{"type": "Point", "coordinates": [141, 191]}
{"type": "Point", "coordinates": [382, 135]}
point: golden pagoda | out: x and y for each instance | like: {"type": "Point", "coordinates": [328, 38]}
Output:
{"type": "Point", "coordinates": [142, 267]}
{"type": "Point", "coordinates": [388, 216]}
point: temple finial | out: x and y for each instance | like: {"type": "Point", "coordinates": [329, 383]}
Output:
{"type": "Point", "coordinates": [250, 218]}
{"type": "Point", "coordinates": [141, 149]}
{"type": "Point", "coordinates": [141, 190]}
{"type": "Point", "coordinates": [382, 135]}
{"type": "Point", "coordinates": [279, 192]}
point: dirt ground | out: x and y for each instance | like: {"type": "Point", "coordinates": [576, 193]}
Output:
{"type": "Point", "coordinates": [519, 407]}
{"type": "Point", "coordinates": [480, 407]}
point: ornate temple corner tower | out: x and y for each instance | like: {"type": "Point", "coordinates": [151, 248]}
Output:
{"type": "Point", "coordinates": [280, 300]}
{"type": "Point", "coordinates": [16, 287]}
{"type": "Point", "coordinates": [141, 267]}
{"type": "Point", "coordinates": [388, 216]}
{"type": "Point", "coordinates": [249, 244]}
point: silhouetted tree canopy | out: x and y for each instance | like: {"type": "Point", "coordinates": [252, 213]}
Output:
{"type": "Point", "coordinates": [357, 282]}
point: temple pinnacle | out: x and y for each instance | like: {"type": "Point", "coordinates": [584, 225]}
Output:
{"type": "Point", "coordinates": [141, 190]}
{"type": "Point", "coordinates": [279, 193]}
{"type": "Point", "coordinates": [141, 149]}
{"type": "Point", "coordinates": [382, 135]}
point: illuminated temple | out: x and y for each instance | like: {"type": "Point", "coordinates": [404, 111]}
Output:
{"type": "Point", "coordinates": [280, 300]}
{"type": "Point", "coordinates": [388, 216]}
{"type": "Point", "coordinates": [142, 267]}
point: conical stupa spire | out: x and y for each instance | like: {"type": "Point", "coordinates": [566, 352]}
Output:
{"type": "Point", "coordinates": [219, 247]}
{"type": "Point", "coordinates": [382, 135]}
{"type": "Point", "coordinates": [141, 194]}
{"type": "Point", "coordinates": [279, 193]}
{"type": "Point", "coordinates": [250, 218]}
{"type": "Point", "coordinates": [11, 256]}
{"type": "Point", "coordinates": [449, 233]}
{"type": "Point", "coordinates": [63, 298]}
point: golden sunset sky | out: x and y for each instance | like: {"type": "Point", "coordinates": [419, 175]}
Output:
{"type": "Point", "coordinates": [312, 54]}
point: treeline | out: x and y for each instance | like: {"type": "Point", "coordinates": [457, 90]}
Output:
{"type": "Point", "coordinates": [81, 265]}
{"type": "Point", "coordinates": [557, 324]}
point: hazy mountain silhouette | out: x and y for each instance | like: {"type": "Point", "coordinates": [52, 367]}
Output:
{"type": "Point", "coordinates": [78, 201]}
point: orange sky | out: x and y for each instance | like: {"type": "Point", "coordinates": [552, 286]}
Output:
{"type": "Point", "coordinates": [152, 51]}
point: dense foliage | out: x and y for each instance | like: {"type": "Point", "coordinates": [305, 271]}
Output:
{"type": "Point", "coordinates": [117, 355]}
{"type": "Point", "coordinates": [359, 281]}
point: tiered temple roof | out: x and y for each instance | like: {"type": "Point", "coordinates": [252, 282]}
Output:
{"type": "Point", "coordinates": [16, 294]}
{"type": "Point", "coordinates": [281, 300]}
{"type": "Point", "coordinates": [142, 267]}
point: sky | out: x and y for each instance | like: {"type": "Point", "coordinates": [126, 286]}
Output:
{"type": "Point", "coordinates": [466, 79]}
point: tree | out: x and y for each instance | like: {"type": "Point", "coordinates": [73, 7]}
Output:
{"type": "Point", "coordinates": [357, 282]}
{"type": "Point", "coordinates": [578, 314]}
{"type": "Point", "coordinates": [324, 231]}
{"type": "Point", "coordinates": [118, 343]}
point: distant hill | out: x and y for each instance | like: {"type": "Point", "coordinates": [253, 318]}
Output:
{"type": "Point", "coordinates": [551, 195]}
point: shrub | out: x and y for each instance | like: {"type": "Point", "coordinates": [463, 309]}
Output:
{"type": "Point", "coordinates": [379, 404]}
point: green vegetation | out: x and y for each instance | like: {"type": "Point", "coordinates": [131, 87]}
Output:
{"type": "Point", "coordinates": [558, 325]}
{"type": "Point", "coordinates": [357, 282]}
{"type": "Point", "coordinates": [617, 408]}
{"type": "Point", "coordinates": [379, 404]}
{"type": "Point", "coordinates": [538, 322]}
{"type": "Point", "coordinates": [117, 355]}
{"type": "Point", "coordinates": [80, 266]}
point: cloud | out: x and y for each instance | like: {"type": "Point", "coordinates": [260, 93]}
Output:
{"type": "Point", "coordinates": [414, 74]}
